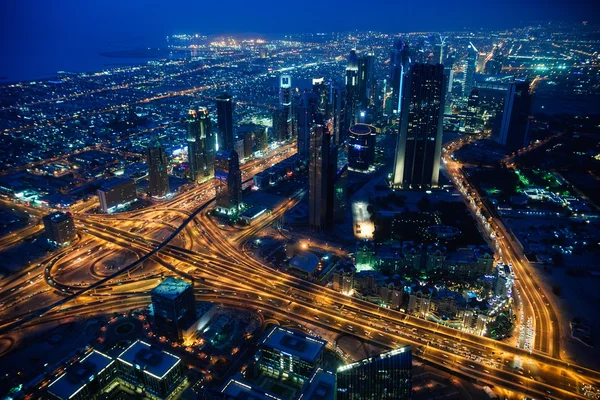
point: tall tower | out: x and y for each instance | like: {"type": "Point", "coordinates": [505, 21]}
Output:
{"type": "Point", "coordinates": [156, 159]}
{"type": "Point", "coordinates": [351, 93]}
{"type": "Point", "coordinates": [322, 170]}
{"type": "Point", "coordinates": [419, 145]}
{"type": "Point", "coordinates": [225, 122]}
{"type": "Point", "coordinates": [365, 79]}
{"type": "Point", "coordinates": [514, 130]}
{"type": "Point", "coordinates": [285, 114]}
{"type": "Point", "coordinates": [469, 64]}
{"type": "Point", "coordinates": [306, 111]}
{"type": "Point", "coordinates": [201, 144]}
{"type": "Point", "coordinates": [229, 181]}
{"type": "Point", "coordinates": [400, 64]}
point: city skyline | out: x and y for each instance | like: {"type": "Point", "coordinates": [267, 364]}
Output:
{"type": "Point", "coordinates": [351, 214]}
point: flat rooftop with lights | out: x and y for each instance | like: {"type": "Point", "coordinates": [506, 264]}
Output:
{"type": "Point", "coordinates": [79, 375]}
{"type": "Point", "coordinates": [237, 389]}
{"type": "Point", "coordinates": [170, 288]}
{"type": "Point", "coordinates": [149, 359]}
{"type": "Point", "coordinates": [306, 347]}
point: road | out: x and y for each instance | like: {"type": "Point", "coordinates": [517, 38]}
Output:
{"type": "Point", "coordinates": [199, 250]}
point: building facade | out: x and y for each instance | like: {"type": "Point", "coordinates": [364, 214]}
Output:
{"type": "Point", "coordinates": [387, 376]}
{"type": "Point", "coordinates": [201, 145]}
{"type": "Point", "coordinates": [224, 122]}
{"type": "Point", "coordinates": [158, 177]}
{"type": "Point", "coordinates": [174, 307]}
{"type": "Point", "coordinates": [419, 144]}
{"type": "Point", "coordinates": [60, 228]}
{"type": "Point", "coordinates": [229, 182]}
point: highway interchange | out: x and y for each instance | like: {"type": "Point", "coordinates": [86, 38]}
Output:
{"type": "Point", "coordinates": [177, 237]}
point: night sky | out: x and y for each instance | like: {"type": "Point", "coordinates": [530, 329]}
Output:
{"type": "Point", "coordinates": [67, 33]}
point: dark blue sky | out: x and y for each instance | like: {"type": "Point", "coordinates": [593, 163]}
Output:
{"type": "Point", "coordinates": [62, 31]}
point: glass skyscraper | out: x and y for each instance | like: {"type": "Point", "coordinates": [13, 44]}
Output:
{"type": "Point", "coordinates": [419, 146]}
{"type": "Point", "coordinates": [387, 376]}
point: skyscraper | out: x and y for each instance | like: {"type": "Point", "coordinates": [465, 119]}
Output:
{"type": "Point", "coordinates": [351, 107]}
{"type": "Point", "coordinates": [229, 181]}
{"type": "Point", "coordinates": [361, 147]}
{"type": "Point", "coordinates": [285, 114]}
{"type": "Point", "coordinates": [387, 376]}
{"type": "Point", "coordinates": [419, 145]}
{"type": "Point", "coordinates": [225, 122]}
{"type": "Point", "coordinates": [322, 170]}
{"type": "Point", "coordinates": [400, 62]}
{"type": "Point", "coordinates": [156, 159]}
{"type": "Point", "coordinates": [514, 130]}
{"type": "Point", "coordinates": [306, 111]}
{"type": "Point", "coordinates": [174, 307]}
{"type": "Point", "coordinates": [469, 64]}
{"type": "Point", "coordinates": [366, 79]}
{"type": "Point", "coordinates": [201, 145]}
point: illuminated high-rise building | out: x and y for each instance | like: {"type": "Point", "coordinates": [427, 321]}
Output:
{"type": "Point", "coordinates": [419, 145]}
{"type": "Point", "coordinates": [225, 122]}
{"type": "Point", "coordinates": [174, 307]}
{"type": "Point", "coordinates": [469, 65]}
{"type": "Point", "coordinates": [158, 177]}
{"type": "Point", "coordinates": [351, 107]}
{"type": "Point", "coordinates": [400, 63]}
{"type": "Point", "coordinates": [306, 110]}
{"type": "Point", "coordinates": [322, 172]}
{"type": "Point", "coordinates": [386, 376]}
{"type": "Point", "coordinates": [514, 130]}
{"type": "Point", "coordinates": [201, 145]}
{"type": "Point", "coordinates": [286, 108]}
{"type": "Point", "coordinates": [229, 181]}
{"type": "Point", "coordinates": [366, 79]}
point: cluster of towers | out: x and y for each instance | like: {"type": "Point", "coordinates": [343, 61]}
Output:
{"type": "Point", "coordinates": [210, 155]}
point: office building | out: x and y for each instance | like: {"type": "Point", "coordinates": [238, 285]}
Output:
{"type": "Point", "coordinates": [400, 64]}
{"type": "Point", "coordinates": [201, 145]}
{"type": "Point", "coordinates": [116, 193]}
{"type": "Point", "coordinates": [366, 79]}
{"type": "Point", "coordinates": [306, 110]}
{"type": "Point", "coordinates": [289, 354]}
{"type": "Point", "coordinates": [514, 130]}
{"type": "Point", "coordinates": [361, 148]}
{"type": "Point", "coordinates": [469, 64]}
{"type": "Point", "coordinates": [236, 388]}
{"type": "Point", "coordinates": [174, 307]}
{"type": "Point", "coordinates": [150, 369]}
{"type": "Point", "coordinates": [84, 379]}
{"type": "Point", "coordinates": [387, 376]}
{"type": "Point", "coordinates": [321, 386]}
{"type": "Point", "coordinates": [280, 125]}
{"type": "Point", "coordinates": [156, 158]}
{"type": "Point", "coordinates": [60, 228]}
{"type": "Point", "coordinates": [322, 171]}
{"type": "Point", "coordinates": [229, 182]}
{"type": "Point", "coordinates": [351, 107]}
{"type": "Point", "coordinates": [225, 122]}
{"type": "Point", "coordinates": [419, 144]}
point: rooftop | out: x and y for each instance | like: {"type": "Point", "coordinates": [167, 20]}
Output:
{"type": "Point", "coordinates": [57, 217]}
{"type": "Point", "coordinates": [308, 348]}
{"type": "Point", "coordinates": [112, 183]}
{"type": "Point", "coordinates": [305, 261]}
{"type": "Point", "coordinates": [320, 387]}
{"type": "Point", "coordinates": [241, 390]}
{"type": "Point", "coordinates": [170, 288]}
{"type": "Point", "coordinates": [151, 360]}
{"type": "Point", "coordinates": [79, 375]}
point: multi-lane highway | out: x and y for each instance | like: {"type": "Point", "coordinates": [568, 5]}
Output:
{"type": "Point", "coordinates": [199, 250]}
